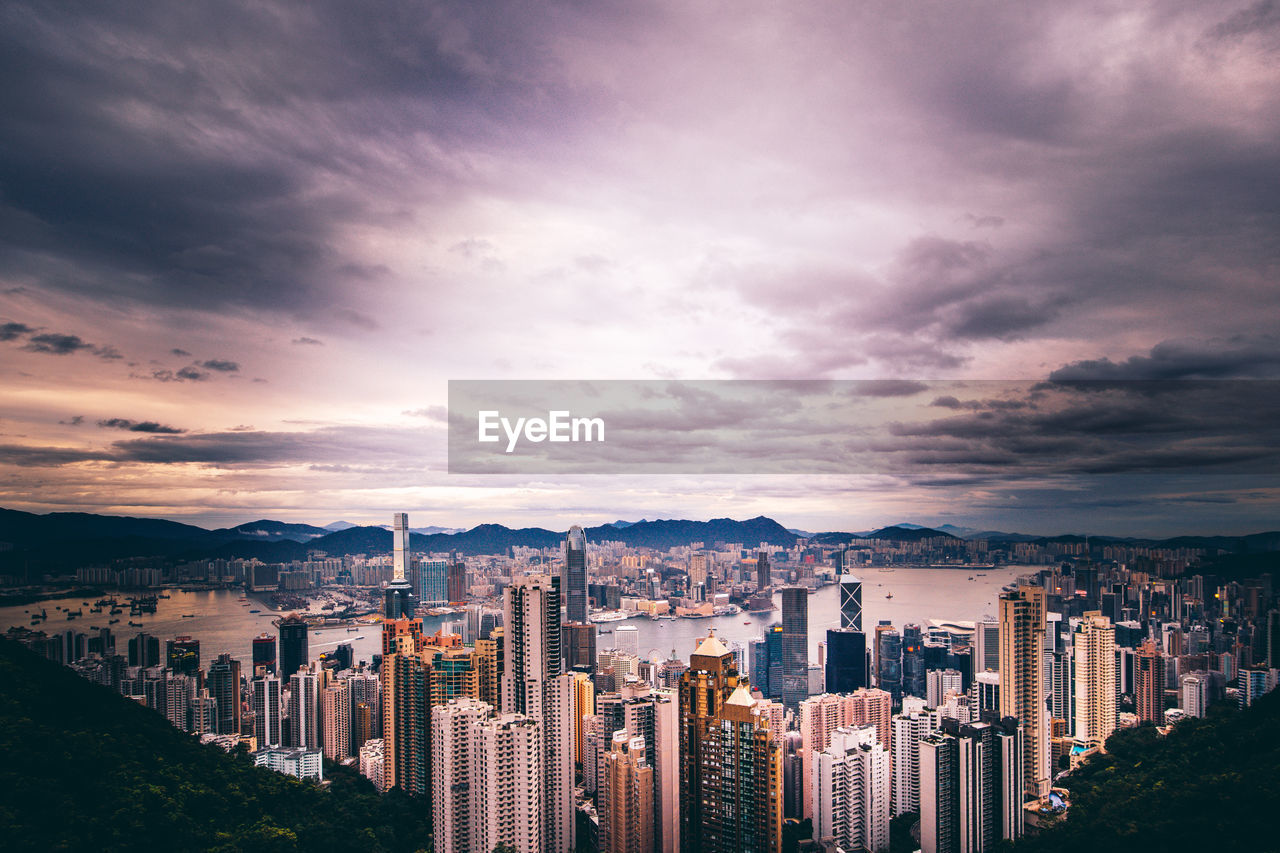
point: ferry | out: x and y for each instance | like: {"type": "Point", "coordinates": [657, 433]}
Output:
{"type": "Point", "coordinates": [113, 621]}
{"type": "Point", "coordinates": [255, 611]}
{"type": "Point", "coordinates": [609, 616]}
{"type": "Point", "coordinates": [188, 616]}
{"type": "Point", "coordinates": [889, 595]}
{"type": "Point", "coordinates": [133, 624]}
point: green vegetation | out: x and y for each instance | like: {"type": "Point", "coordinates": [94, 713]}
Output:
{"type": "Point", "coordinates": [1211, 784]}
{"type": "Point", "coordinates": [86, 769]}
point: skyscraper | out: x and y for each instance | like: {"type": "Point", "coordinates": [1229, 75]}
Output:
{"type": "Point", "coordinates": [335, 710]}
{"type": "Point", "coordinates": [264, 653]}
{"type": "Point", "coordinates": [849, 789]}
{"type": "Point", "coordinates": [970, 786]}
{"type": "Point", "coordinates": [1094, 651]}
{"type": "Point", "coordinates": [304, 711]}
{"type": "Point", "coordinates": [534, 685]}
{"type": "Point", "coordinates": [795, 644]}
{"type": "Point", "coordinates": [405, 710]}
{"type": "Point", "coordinates": [580, 646]}
{"type": "Point", "coordinates": [574, 579]}
{"type": "Point", "coordinates": [182, 655]}
{"type": "Point", "coordinates": [731, 777]}
{"type": "Point", "coordinates": [457, 582]}
{"type": "Point", "coordinates": [889, 661]}
{"type": "Point", "coordinates": [429, 580]}
{"type": "Point", "coordinates": [1149, 679]}
{"type": "Point", "coordinates": [762, 571]}
{"type": "Point", "coordinates": [846, 669]}
{"type": "Point", "coordinates": [1022, 635]}
{"type": "Point", "coordinates": [850, 602]}
{"type": "Point", "coordinates": [266, 711]}
{"type": "Point", "coordinates": [398, 600]}
{"type": "Point", "coordinates": [224, 687]}
{"type": "Point", "coordinates": [625, 803]}
{"type": "Point", "coordinates": [293, 645]}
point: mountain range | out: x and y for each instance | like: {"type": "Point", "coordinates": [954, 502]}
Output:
{"type": "Point", "coordinates": [32, 544]}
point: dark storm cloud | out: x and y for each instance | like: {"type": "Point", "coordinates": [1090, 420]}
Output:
{"type": "Point", "coordinates": [221, 365]}
{"type": "Point", "coordinates": [56, 344]}
{"type": "Point", "coordinates": [10, 331]}
{"type": "Point", "coordinates": [205, 157]}
{"type": "Point", "coordinates": [140, 426]}
{"type": "Point", "coordinates": [1194, 359]}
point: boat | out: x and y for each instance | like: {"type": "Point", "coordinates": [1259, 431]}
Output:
{"type": "Point", "coordinates": [317, 633]}
{"type": "Point", "coordinates": [352, 630]}
{"type": "Point", "coordinates": [188, 616]}
{"type": "Point", "coordinates": [606, 630]}
{"type": "Point", "coordinates": [746, 621]}
{"type": "Point", "coordinates": [609, 616]}
{"type": "Point", "coordinates": [113, 621]}
{"type": "Point", "coordinates": [889, 595]}
{"type": "Point", "coordinates": [255, 611]}
{"type": "Point", "coordinates": [361, 637]}
{"type": "Point", "coordinates": [133, 624]}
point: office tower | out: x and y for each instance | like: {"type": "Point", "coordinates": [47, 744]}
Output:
{"type": "Point", "coordinates": [574, 579]}
{"type": "Point", "coordinates": [971, 786]}
{"type": "Point", "coordinates": [986, 646]}
{"type": "Point", "coordinates": [1272, 629]}
{"type": "Point", "coordinates": [182, 655]}
{"type": "Point", "coordinates": [1094, 649]}
{"type": "Point", "coordinates": [913, 665]}
{"type": "Point", "coordinates": [908, 729]}
{"type": "Point", "coordinates": [626, 639]}
{"type": "Point", "coordinates": [731, 776]}
{"type": "Point", "coordinates": [850, 602]}
{"type": "Point", "coordinates": [625, 804]}
{"type": "Point", "coordinates": [429, 580]}
{"type": "Point", "coordinates": [304, 713]}
{"type": "Point", "coordinates": [1022, 635]}
{"type": "Point", "coordinates": [457, 581]}
{"type": "Point", "coordinates": [1149, 675]}
{"type": "Point", "coordinates": [579, 646]}
{"type": "Point", "coordinates": [986, 690]}
{"type": "Point", "coordinates": [766, 663]}
{"type": "Point", "coordinates": [534, 685]}
{"type": "Point", "coordinates": [266, 711]}
{"type": "Point", "coordinates": [849, 787]}
{"type": "Point", "coordinates": [398, 600]}
{"type": "Point", "coordinates": [846, 669]}
{"type": "Point", "coordinates": [144, 650]}
{"type": "Point", "coordinates": [762, 571]}
{"type": "Point", "coordinates": [264, 653]}
{"type": "Point", "coordinates": [794, 781]}
{"type": "Point", "coordinates": [889, 661]}
{"type": "Point", "coordinates": [293, 645]}
{"type": "Point", "coordinates": [224, 687]}
{"type": "Point", "coordinates": [795, 644]}
{"type": "Point", "coordinates": [939, 683]}
{"type": "Point", "coordinates": [335, 710]}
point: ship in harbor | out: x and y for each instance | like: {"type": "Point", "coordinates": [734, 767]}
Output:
{"type": "Point", "coordinates": [609, 616]}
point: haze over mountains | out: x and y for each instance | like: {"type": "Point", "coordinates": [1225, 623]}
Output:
{"type": "Point", "coordinates": [58, 541]}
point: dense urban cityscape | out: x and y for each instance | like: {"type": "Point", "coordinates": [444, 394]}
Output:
{"type": "Point", "coordinates": [532, 719]}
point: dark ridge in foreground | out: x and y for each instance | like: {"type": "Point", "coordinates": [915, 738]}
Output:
{"type": "Point", "coordinates": [1211, 785]}
{"type": "Point", "coordinates": [87, 769]}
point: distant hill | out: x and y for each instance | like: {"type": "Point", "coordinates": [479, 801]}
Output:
{"type": "Point", "coordinates": [274, 531]}
{"type": "Point", "coordinates": [898, 533]}
{"type": "Point", "coordinates": [87, 769]}
{"type": "Point", "coordinates": [339, 525]}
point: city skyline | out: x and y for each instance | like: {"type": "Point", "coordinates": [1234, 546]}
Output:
{"type": "Point", "coordinates": [238, 274]}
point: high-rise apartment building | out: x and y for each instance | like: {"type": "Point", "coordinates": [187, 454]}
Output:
{"type": "Point", "coordinates": [335, 711]}
{"type": "Point", "coordinates": [971, 786]}
{"type": "Point", "coordinates": [819, 716]}
{"type": "Point", "coordinates": [625, 803]}
{"type": "Point", "coordinates": [534, 685]}
{"type": "Point", "coordinates": [1149, 676]}
{"type": "Point", "coordinates": [1094, 652]}
{"type": "Point", "coordinates": [939, 683]}
{"type": "Point", "coordinates": [304, 711]}
{"type": "Point", "coordinates": [267, 711]}
{"type": "Point", "coordinates": [1022, 636]}
{"type": "Point", "coordinates": [731, 777]}
{"type": "Point", "coordinates": [849, 789]}
{"type": "Point", "coordinates": [908, 730]}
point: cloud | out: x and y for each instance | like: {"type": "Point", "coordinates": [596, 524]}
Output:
{"type": "Point", "coordinates": [192, 374]}
{"type": "Point", "coordinates": [9, 331]}
{"type": "Point", "coordinates": [56, 344]}
{"type": "Point", "coordinates": [435, 413]}
{"type": "Point", "coordinates": [140, 426]}
{"type": "Point", "coordinates": [74, 421]}
{"type": "Point", "coordinates": [108, 353]}
{"type": "Point", "coordinates": [308, 341]}
{"type": "Point", "coordinates": [220, 365]}
{"type": "Point", "coordinates": [181, 353]}
{"type": "Point", "coordinates": [1238, 357]}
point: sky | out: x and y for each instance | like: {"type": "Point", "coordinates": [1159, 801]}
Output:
{"type": "Point", "coordinates": [245, 246]}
